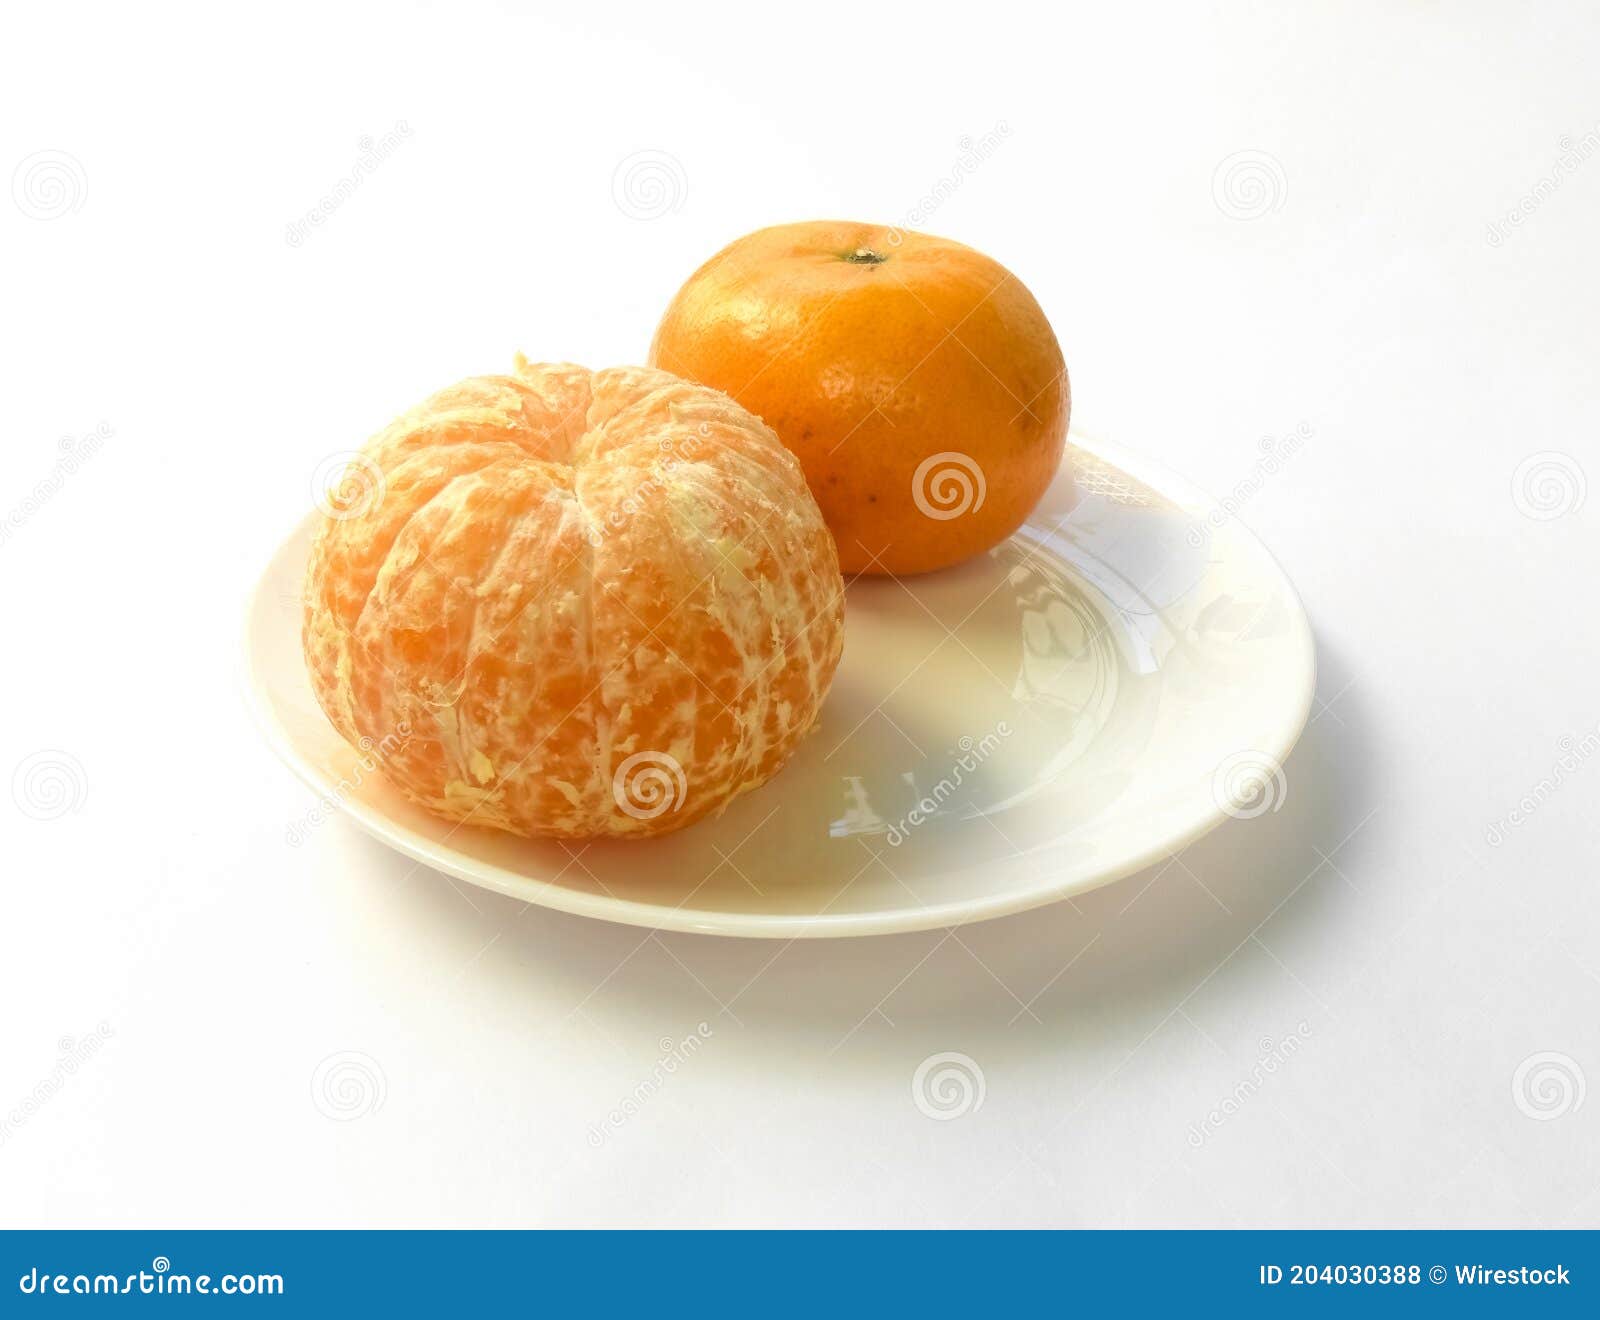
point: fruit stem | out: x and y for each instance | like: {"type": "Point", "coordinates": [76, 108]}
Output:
{"type": "Point", "coordinates": [865, 257]}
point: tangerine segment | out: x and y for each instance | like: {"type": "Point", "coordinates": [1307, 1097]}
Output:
{"type": "Point", "coordinates": [575, 604]}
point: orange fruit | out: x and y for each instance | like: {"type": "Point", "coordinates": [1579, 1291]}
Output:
{"type": "Point", "coordinates": [918, 381]}
{"type": "Point", "coordinates": [574, 604]}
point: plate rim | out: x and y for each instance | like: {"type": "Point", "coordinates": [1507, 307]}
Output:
{"type": "Point", "coordinates": [658, 916]}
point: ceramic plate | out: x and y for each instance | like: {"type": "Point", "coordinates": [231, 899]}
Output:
{"type": "Point", "coordinates": [1123, 674]}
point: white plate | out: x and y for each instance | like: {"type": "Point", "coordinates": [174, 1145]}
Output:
{"type": "Point", "coordinates": [1122, 675]}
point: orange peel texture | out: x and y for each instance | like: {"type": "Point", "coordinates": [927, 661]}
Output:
{"type": "Point", "coordinates": [918, 381]}
{"type": "Point", "coordinates": [574, 604]}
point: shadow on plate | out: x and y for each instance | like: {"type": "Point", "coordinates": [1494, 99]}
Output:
{"type": "Point", "coordinates": [1137, 946]}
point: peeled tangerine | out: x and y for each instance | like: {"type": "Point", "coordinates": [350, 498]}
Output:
{"type": "Point", "coordinates": [574, 603]}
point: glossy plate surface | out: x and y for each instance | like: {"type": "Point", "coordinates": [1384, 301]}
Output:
{"type": "Point", "coordinates": [1122, 675]}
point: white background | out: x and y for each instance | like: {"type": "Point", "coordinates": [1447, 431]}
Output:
{"type": "Point", "coordinates": [155, 292]}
